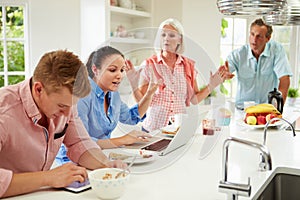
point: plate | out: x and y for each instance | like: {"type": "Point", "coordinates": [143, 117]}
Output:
{"type": "Point", "coordinates": [278, 123]}
{"type": "Point", "coordinates": [143, 156]}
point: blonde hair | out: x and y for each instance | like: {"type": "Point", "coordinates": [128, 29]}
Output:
{"type": "Point", "coordinates": [61, 68]}
{"type": "Point", "coordinates": [177, 26]}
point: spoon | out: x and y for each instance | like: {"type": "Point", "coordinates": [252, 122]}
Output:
{"type": "Point", "coordinates": [126, 169]}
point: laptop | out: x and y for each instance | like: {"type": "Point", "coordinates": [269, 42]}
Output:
{"type": "Point", "coordinates": [164, 145]}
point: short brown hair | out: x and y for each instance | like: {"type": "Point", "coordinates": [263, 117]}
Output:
{"type": "Point", "coordinates": [62, 68]}
{"type": "Point", "coordinates": [260, 22]}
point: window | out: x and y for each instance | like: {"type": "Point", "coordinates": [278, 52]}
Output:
{"type": "Point", "coordinates": [233, 37]}
{"type": "Point", "coordinates": [282, 34]}
{"type": "Point", "coordinates": [295, 56]}
{"type": "Point", "coordinates": [289, 37]}
{"type": "Point", "coordinates": [13, 43]}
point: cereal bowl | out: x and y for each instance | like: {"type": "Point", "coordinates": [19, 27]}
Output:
{"type": "Point", "coordinates": [105, 183]}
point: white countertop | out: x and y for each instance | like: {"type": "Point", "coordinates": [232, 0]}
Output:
{"type": "Point", "coordinates": [185, 176]}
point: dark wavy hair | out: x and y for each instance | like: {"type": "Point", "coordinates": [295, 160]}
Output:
{"type": "Point", "coordinates": [97, 58]}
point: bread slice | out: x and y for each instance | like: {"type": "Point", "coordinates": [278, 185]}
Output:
{"type": "Point", "coordinates": [170, 132]}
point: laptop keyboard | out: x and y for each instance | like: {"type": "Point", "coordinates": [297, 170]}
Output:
{"type": "Point", "coordinates": [158, 146]}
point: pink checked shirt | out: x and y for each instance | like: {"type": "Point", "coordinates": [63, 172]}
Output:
{"type": "Point", "coordinates": [26, 146]}
{"type": "Point", "coordinates": [174, 95]}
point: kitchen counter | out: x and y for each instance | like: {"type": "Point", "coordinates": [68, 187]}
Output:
{"type": "Point", "coordinates": [189, 175]}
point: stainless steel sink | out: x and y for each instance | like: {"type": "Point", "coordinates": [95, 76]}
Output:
{"type": "Point", "coordinates": [282, 186]}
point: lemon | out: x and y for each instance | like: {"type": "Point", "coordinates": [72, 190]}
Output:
{"type": "Point", "coordinates": [251, 120]}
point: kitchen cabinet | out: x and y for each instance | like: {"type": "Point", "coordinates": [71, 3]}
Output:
{"type": "Point", "coordinates": [100, 20]}
{"type": "Point", "coordinates": [137, 21]}
{"type": "Point", "coordinates": [136, 41]}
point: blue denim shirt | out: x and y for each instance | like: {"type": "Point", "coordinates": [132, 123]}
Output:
{"type": "Point", "coordinates": [99, 124]}
{"type": "Point", "coordinates": [256, 78]}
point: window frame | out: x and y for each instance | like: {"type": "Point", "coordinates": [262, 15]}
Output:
{"type": "Point", "coordinates": [294, 59]}
{"type": "Point", "coordinates": [232, 84]}
{"type": "Point", "coordinates": [294, 50]}
{"type": "Point", "coordinates": [24, 40]}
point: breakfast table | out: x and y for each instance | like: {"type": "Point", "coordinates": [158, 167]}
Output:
{"type": "Point", "coordinates": [195, 170]}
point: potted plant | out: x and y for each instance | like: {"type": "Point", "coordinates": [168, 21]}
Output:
{"type": "Point", "coordinates": [293, 94]}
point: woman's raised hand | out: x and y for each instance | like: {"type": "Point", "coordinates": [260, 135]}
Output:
{"type": "Point", "coordinates": [132, 74]}
{"type": "Point", "coordinates": [154, 83]}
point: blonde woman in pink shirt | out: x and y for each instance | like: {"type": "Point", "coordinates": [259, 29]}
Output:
{"type": "Point", "coordinates": [178, 73]}
{"type": "Point", "coordinates": [37, 116]}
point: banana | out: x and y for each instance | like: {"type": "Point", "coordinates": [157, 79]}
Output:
{"type": "Point", "coordinates": [262, 108]}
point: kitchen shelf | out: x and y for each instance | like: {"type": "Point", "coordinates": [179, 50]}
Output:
{"type": "Point", "coordinates": [106, 20]}
{"type": "Point", "coordinates": [129, 12]}
{"type": "Point", "coordinates": [129, 40]}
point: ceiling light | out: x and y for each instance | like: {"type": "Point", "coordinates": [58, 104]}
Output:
{"type": "Point", "coordinates": [250, 7]}
{"type": "Point", "coordinates": [289, 16]}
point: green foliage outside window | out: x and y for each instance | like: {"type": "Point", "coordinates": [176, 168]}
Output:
{"type": "Point", "coordinates": [1, 81]}
{"type": "Point", "coordinates": [293, 92]}
{"type": "Point", "coordinates": [14, 33]}
{"type": "Point", "coordinates": [1, 59]}
{"type": "Point", "coordinates": [224, 25]}
{"type": "Point", "coordinates": [15, 57]}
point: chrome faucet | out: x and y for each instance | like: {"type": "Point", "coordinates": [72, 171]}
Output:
{"type": "Point", "coordinates": [275, 119]}
{"type": "Point", "coordinates": [235, 189]}
{"type": "Point", "coordinates": [262, 164]}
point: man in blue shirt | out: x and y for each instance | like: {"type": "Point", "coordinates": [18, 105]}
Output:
{"type": "Point", "coordinates": [260, 66]}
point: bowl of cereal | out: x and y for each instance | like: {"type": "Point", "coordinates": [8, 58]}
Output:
{"type": "Point", "coordinates": [109, 183]}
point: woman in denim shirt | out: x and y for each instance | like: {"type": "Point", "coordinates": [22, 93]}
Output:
{"type": "Point", "coordinates": [103, 108]}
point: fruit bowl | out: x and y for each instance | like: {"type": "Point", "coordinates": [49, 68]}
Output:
{"type": "Point", "coordinates": [242, 122]}
{"type": "Point", "coordinates": [259, 119]}
{"type": "Point", "coordinates": [260, 114]}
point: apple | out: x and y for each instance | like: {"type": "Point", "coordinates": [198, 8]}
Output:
{"type": "Point", "coordinates": [251, 120]}
{"type": "Point", "coordinates": [261, 120]}
{"type": "Point", "coordinates": [271, 116]}
{"type": "Point", "coordinates": [250, 114]}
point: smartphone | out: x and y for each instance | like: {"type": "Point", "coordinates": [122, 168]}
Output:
{"type": "Point", "coordinates": [77, 187]}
